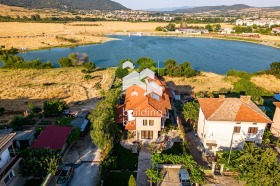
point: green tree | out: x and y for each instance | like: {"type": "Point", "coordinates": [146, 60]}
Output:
{"type": "Point", "coordinates": [104, 129]}
{"type": "Point", "coordinates": [154, 176]}
{"type": "Point", "coordinates": [132, 181]}
{"type": "Point", "coordinates": [125, 60]}
{"type": "Point", "coordinates": [120, 72]}
{"type": "Point", "coordinates": [146, 62]}
{"type": "Point", "coordinates": [159, 28]}
{"type": "Point", "coordinates": [170, 65]}
{"type": "Point", "coordinates": [64, 121]}
{"type": "Point", "coordinates": [54, 107]}
{"type": "Point", "coordinates": [217, 27]}
{"type": "Point", "coordinates": [89, 66]}
{"type": "Point", "coordinates": [74, 136]}
{"type": "Point", "coordinates": [39, 162]}
{"type": "Point", "coordinates": [209, 28]}
{"type": "Point", "coordinates": [191, 110]}
{"type": "Point", "coordinates": [177, 72]}
{"type": "Point", "coordinates": [65, 62]}
{"type": "Point", "coordinates": [171, 27]}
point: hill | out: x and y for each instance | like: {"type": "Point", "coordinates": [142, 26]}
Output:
{"type": "Point", "coordinates": [168, 9]}
{"type": "Point", "coordinates": [66, 4]}
{"type": "Point", "coordinates": [213, 8]}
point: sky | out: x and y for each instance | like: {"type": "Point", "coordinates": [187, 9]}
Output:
{"type": "Point", "coordinates": [146, 4]}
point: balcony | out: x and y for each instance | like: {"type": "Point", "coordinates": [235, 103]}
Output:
{"type": "Point", "coordinates": [9, 165]}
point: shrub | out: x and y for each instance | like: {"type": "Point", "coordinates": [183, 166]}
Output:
{"type": "Point", "coordinates": [74, 136]}
{"type": "Point", "coordinates": [87, 77]}
{"type": "Point", "coordinates": [54, 107]}
{"type": "Point", "coordinates": [120, 72]}
{"type": "Point", "coordinates": [65, 62]}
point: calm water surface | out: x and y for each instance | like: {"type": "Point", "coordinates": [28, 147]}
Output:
{"type": "Point", "coordinates": [211, 55]}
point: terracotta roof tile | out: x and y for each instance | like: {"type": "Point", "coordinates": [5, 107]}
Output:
{"type": "Point", "coordinates": [277, 104]}
{"type": "Point", "coordinates": [231, 109]}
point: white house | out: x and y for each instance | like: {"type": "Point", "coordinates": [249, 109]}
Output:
{"type": "Point", "coordinates": [225, 122]}
{"type": "Point", "coordinates": [9, 160]}
{"type": "Point", "coordinates": [128, 64]}
{"type": "Point", "coordinates": [275, 127]}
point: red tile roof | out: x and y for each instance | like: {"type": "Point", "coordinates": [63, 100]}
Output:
{"type": "Point", "coordinates": [53, 137]}
{"type": "Point", "coordinates": [277, 104]}
{"type": "Point", "coordinates": [231, 109]}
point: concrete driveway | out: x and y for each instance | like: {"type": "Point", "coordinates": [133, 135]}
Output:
{"type": "Point", "coordinates": [86, 156]}
{"type": "Point", "coordinates": [85, 174]}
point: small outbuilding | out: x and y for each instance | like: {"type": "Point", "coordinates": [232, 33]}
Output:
{"type": "Point", "coordinates": [53, 137]}
{"type": "Point", "coordinates": [128, 64]}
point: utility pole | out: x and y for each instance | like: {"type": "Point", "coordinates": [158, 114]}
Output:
{"type": "Point", "coordinates": [158, 68]}
{"type": "Point", "coordinates": [230, 147]}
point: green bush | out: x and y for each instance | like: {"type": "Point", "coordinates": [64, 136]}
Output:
{"type": "Point", "coordinates": [54, 107]}
{"type": "Point", "coordinates": [74, 136]}
{"type": "Point", "coordinates": [15, 62]}
{"type": "Point", "coordinates": [120, 72]}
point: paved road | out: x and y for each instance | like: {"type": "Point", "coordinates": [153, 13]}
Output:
{"type": "Point", "coordinates": [86, 156]}
{"type": "Point", "coordinates": [144, 163]}
{"type": "Point", "coordinates": [86, 174]}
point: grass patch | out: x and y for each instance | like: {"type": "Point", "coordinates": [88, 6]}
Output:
{"type": "Point", "coordinates": [45, 122]}
{"type": "Point", "coordinates": [125, 158]}
{"type": "Point", "coordinates": [118, 178]}
{"type": "Point", "coordinates": [244, 86]}
{"type": "Point", "coordinates": [176, 149]}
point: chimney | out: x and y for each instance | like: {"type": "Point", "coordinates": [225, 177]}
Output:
{"type": "Point", "coordinates": [222, 96]}
{"type": "Point", "coordinates": [245, 99]}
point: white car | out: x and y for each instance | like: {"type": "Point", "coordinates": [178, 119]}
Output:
{"type": "Point", "coordinates": [184, 177]}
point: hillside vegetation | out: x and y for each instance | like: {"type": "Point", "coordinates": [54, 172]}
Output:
{"type": "Point", "coordinates": [20, 87]}
{"type": "Point", "coordinates": [66, 4]}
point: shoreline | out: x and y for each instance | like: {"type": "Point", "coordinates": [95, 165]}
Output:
{"type": "Point", "coordinates": [153, 34]}
{"type": "Point", "coordinates": [205, 36]}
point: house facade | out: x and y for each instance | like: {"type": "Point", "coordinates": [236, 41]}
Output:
{"type": "Point", "coordinates": [145, 110]}
{"type": "Point", "coordinates": [275, 127]}
{"type": "Point", "coordinates": [9, 160]}
{"type": "Point", "coordinates": [229, 122]}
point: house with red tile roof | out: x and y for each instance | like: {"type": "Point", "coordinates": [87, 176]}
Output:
{"type": "Point", "coordinates": [229, 122]}
{"type": "Point", "coordinates": [53, 137]}
{"type": "Point", "coordinates": [275, 127]}
{"type": "Point", "coordinates": [145, 109]}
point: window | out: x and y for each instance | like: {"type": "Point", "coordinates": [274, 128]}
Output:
{"type": "Point", "coordinates": [9, 177]}
{"type": "Point", "coordinates": [145, 134]}
{"type": "Point", "coordinates": [145, 122]}
{"type": "Point", "coordinates": [253, 130]}
{"type": "Point", "coordinates": [236, 129]}
{"type": "Point", "coordinates": [151, 122]}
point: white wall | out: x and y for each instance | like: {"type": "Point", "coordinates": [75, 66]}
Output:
{"type": "Point", "coordinates": [156, 128]}
{"type": "Point", "coordinates": [5, 156]}
{"type": "Point", "coordinates": [221, 133]}
{"type": "Point", "coordinates": [130, 115]}
{"type": "Point", "coordinates": [275, 127]}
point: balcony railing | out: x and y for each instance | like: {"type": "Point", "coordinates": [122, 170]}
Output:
{"type": "Point", "coordinates": [8, 166]}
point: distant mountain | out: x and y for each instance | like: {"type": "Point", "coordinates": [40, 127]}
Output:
{"type": "Point", "coordinates": [168, 9]}
{"type": "Point", "coordinates": [213, 8]}
{"type": "Point", "coordinates": [66, 4]}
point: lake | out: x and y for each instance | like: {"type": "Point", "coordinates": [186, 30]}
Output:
{"type": "Point", "coordinates": [210, 55]}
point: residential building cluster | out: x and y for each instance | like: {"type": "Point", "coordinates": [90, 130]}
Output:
{"type": "Point", "coordinates": [258, 22]}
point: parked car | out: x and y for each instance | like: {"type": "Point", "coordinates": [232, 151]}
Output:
{"type": "Point", "coordinates": [65, 176]}
{"type": "Point", "coordinates": [184, 177]}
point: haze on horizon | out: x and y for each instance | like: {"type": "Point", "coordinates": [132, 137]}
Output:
{"type": "Point", "coordinates": [147, 4]}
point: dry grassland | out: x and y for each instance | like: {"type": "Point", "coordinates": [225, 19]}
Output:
{"type": "Point", "coordinates": [18, 87]}
{"type": "Point", "coordinates": [268, 82]}
{"type": "Point", "coordinates": [44, 35]}
{"type": "Point", "coordinates": [207, 82]}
